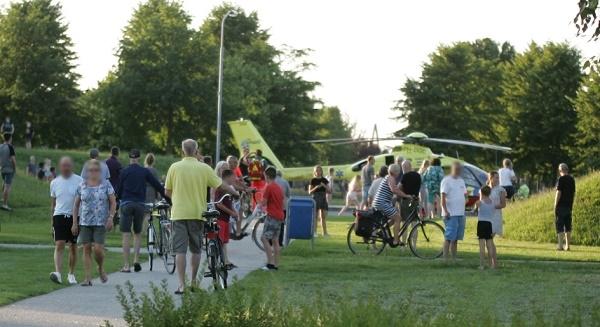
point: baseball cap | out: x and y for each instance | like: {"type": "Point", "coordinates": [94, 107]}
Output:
{"type": "Point", "coordinates": [134, 153]}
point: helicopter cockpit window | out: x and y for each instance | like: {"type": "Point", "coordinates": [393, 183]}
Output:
{"type": "Point", "coordinates": [358, 166]}
{"type": "Point", "coordinates": [389, 160]}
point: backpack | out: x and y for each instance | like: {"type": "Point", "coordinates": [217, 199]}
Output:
{"type": "Point", "coordinates": [255, 170]}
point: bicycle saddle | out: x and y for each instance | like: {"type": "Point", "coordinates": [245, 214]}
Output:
{"type": "Point", "coordinates": [211, 214]}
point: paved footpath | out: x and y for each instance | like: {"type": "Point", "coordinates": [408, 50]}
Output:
{"type": "Point", "coordinates": [83, 306]}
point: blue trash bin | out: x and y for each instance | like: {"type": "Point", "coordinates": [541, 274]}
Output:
{"type": "Point", "coordinates": [300, 218]}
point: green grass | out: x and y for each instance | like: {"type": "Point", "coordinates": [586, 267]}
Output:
{"type": "Point", "coordinates": [533, 219]}
{"type": "Point", "coordinates": [532, 279]}
{"type": "Point", "coordinates": [25, 272]}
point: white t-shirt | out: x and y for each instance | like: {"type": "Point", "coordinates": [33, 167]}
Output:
{"type": "Point", "coordinates": [506, 176]}
{"type": "Point", "coordinates": [64, 190]}
{"type": "Point", "coordinates": [455, 190]}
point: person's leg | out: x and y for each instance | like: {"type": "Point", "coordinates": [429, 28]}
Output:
{"type": "Point", "coordinates": [276, 254]}
{"type": "Point", "coordinates": [567, 241]}
{"type": "Point", "coordinates": [454, 249]}
{"type": "Point", "coordinates": [446, 250]}
{"type": "Point", "coordinates": [195, 231]}
{"type": "Point", "coordinates": [6, 193]}
{"type": "Point", "coordinates": [560, 237]}
{"type": "Point", "coordinates": [482, 243]}
{"type": "Point", "coordinates": [396, 230]}
{"type": "Point", "coordinates": [180, 262]}
{"type": "Point", "coordinates": [323, 222]}
{"type": "Point", "coordinates": [59, 247]}
{"type": "Point", "coordinates": [195, 262]}
{"type": "Point", "coordinates": [99, 257]}
{"type": "Point", "coordinates": [568, 226]}
{"type": "Point", "coordinates": [72, 257]}
{"type": "Point", "coordinates": [268, 250]}
{"type": "Point", "coordinates": [138, 225]}
{"type": "Point", "coordinates": [87, 261]}
{"type": "Point", "coordinates": [492, 253]}
{"type": "Point", "coordinates": [126, 249]}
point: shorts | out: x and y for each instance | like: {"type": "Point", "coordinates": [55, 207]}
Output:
{"type": "Point", "coordinates": [187, 232]}
{"type": "Point", "coordinates": [389, 211]}
{"type": "Point", "coordinates": [61, 229]}
{"type": "Point", "coordinates": [92, 234]}
{"type": "Point", "coordinates": [320, 201]}
{"type": "Point", "coordinates": [365, 192]}
{"type": "Point", "coordinates": [455, 228]}
{"type": "Point", "coordinates": [510, 191]}
{"type": "Point", "coordinates": [8, 178]}
{"type": "Point", "coordinates": [564, 220]}
{"type": "Point", "coordinates": [132, 213]}
{"type": "Point", "coordinates": [484, 230]}
{"type": "Point", "coordinates": [271, 228]}
{"type": "Point", "coordinates": [223, 230]}
{"type": "Point", "coordinates": [406, 209]}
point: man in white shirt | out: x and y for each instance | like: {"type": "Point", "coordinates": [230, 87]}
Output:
{"type": "Point", "coordinates": [63, 191]}
{"type": "Point", "coordinates": [453, 191]}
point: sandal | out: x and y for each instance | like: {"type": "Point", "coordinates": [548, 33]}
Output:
{"type": "Point", "coordinates": [178, 292]}
{"type": "Point", "coordinates": [123, 270]}
{"type": "Point", "coordinates": [87, 283]}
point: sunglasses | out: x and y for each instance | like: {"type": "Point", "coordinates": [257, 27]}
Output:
{"type": "Point", "coordinates": [94, 170]}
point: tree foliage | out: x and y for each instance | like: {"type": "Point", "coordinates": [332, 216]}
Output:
{"type": "Point", "coordinates": [458, 93]}
{"type": "Point", "coordinates": [37, 81]}
{"type": "Point", "coordinates": [538, 92]}
{"type": "Point", "coordinates": [587, 141]}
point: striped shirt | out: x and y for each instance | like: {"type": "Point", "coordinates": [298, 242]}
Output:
{"type": "Point", "coordinates": [384, 195]}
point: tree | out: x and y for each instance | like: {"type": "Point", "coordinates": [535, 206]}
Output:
{"type": "Point", "coordinates": [457, 95]}
{"type": "Point", "coordinates": [37, 81]}
{"type": "Point", "coordinates": [538, 90]}
{"type": "Point", "coordinates": [587, 141]}
{"type": "Point", "coordinates": [333, 125]}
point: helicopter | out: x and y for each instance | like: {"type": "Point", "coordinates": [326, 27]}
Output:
{"type": "Point", "coordinates": [413, 148]}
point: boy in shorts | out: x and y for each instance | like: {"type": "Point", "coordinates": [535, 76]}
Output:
{"type": "Point", "coordinates": [272, 202]}
{"type": "Point", "coordinates": [226, 209]}
{"type": "Point", "coordinates": [486, 208]}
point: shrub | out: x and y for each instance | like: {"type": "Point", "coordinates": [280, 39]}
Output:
{"type": "Point", "coordinates": [533, 219]}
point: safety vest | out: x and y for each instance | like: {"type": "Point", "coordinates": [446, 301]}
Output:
{"type": "Point", "coordinates": [255, 170]}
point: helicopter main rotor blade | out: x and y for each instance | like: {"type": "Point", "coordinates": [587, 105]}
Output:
{"type": "Point", "coordinates": [469, 143]}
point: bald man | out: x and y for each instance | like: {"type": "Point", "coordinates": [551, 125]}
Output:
{"type": "Point", "coordinates": [63, 191]}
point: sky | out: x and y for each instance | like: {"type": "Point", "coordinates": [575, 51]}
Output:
{"type": "Point", "coordinates": [363, 50]}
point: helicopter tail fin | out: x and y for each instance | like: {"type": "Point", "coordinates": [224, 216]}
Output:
{"type": "Point", "coordinates": [245, 134]}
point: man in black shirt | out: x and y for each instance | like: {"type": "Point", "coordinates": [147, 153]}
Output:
{"type": "Point", "coordinates": [409, 184]}
{"type": "Point", "coordinates": [563, 206]}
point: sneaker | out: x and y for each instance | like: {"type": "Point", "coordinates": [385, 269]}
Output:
{"type": "Point", "coordinates": [55, 277]}
{"type": "Point", "coordinates": [5, 207]}
{"type": "Point", "coordinates": [269, 267]}
{"type": "Point", "coordinates": [71, 278]}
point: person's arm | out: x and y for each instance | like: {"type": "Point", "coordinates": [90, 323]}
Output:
{"type": "Point", "coordinates": [119, 190]}
{"type": "Point", "coordinates": [312, 189]}
{"type": "Point", "coordinates": [13, 158]}
{"type": "Point", "coordinates": [169, 184]}
{"type": "Point", "coordinates": [75, 227]}
{"type": "Point", "coordinates": [227, 210]}
{"type": "Point", "coordinates": [557, 198]}
{"type": "Point", "coordinates": [444, 207]}
{"type": "Point", "coordinates": [502, 203]}
{"type": "Point", "coordinates": [52, 206]}
{"type": "Point", "coordinates": [266, 194]}
{"type": "Point", "coordinates": [396, 190]}
{"type": "Point", "coordinates": [112, 208]}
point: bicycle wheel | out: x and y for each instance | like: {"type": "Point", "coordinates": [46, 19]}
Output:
{"type": "Point", "coordinates": [426, 240]}
{"type": "Point", "coordinates": [150, 243]}
{"type": "Point", "coordinates": [245, 205]}
{"type": "Point", "coordinates": [168, 256]}
{"type": "Point", "coordinates": [220, 270]}
{"type": "Point", "coordinates": [366, 245]}
{"type": "Point", "coordinates": [257, 233]}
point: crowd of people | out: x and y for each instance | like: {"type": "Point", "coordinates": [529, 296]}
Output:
{"type": "Point", "coordinates": [85, 207]}
{"type": "Point", "coordinates": [394, 190]}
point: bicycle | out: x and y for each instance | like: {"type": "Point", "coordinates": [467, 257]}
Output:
{"type": "Point", "coordinates": [373, 234]}
{"type": "Point", "coordinates": [217, 269]}
{"type": "Point", "coordinates": [155, 240]}
{"type": "Point", "coordinates": [243, 205]}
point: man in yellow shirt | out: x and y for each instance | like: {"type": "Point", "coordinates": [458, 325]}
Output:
{"type": "Point", "coordinates": [187, 183]}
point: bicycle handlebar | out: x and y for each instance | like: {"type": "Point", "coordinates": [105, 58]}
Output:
{"type": "Point", "coordinates": [220, 200]}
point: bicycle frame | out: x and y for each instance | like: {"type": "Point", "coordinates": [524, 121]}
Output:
{"type": "Point", "coordinates": [413, 217]}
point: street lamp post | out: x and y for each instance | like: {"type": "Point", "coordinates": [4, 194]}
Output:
{"type": "Point", "coordinates": [230, 13]}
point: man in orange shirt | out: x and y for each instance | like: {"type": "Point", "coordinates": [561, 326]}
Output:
{"type": "Point", "coordinates": [272, 202]}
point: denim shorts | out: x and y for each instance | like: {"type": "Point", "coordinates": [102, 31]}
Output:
{"type": "Point", "coordinates": [455, 228]}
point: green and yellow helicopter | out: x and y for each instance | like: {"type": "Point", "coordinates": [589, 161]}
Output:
{"type": "Point", "coordinates": [247, 136]}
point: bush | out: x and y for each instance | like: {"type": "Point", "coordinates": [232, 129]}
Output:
{"type": "Point", "coordinates": [533, 219]}
{"type": "Point", "coordinates": [239, 306]}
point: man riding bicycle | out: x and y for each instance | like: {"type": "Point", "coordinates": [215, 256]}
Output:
{"type": "Point", "coordinates": [383, 200]}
